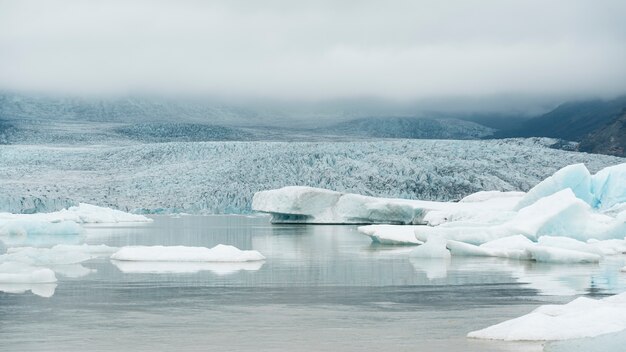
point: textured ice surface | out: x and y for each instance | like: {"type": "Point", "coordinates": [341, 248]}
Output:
{"type": "Point", "coordinates": [222, 177]}
{"type": "Point", "coordinates": [29, 225]}
{"type": "Point", "coordinates": [82, 214]}
{"type": "Point", "coordinates": [57, 255]}
{"type": "Point", "coordinates": [608, 186]}
{"type": "Point", "coordinates": [219, 253]}
{"type": "Point", "coordinates": [603, 190]}
{"type": "Point", "coordinates": [297, 204]}
{"type": "Point", "coordinates": [575, 177]}
{"type": "Point", "coordinates": [582, 317]}
{"type": "Point", "coordinates": [315, 205]}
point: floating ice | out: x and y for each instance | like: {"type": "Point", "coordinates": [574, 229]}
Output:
{"type": "Point", "coordinates": [168, 267]}
{"type": "Point", "coordinates": [320, 206]}
{"type": "Point", "coordinates": [608, 186]}
{"type": "Point", "coordinates": [582, 317]}
{"type": "Point", "coordinates": [24, 226]}
{"type": "Point", "coordinates": [219, 253]}
{"type": "Point", "coordinates": [575, 177]}
{"type": "Point", "coordinates": [20, 273]}
{"type": "Point", "coordinates": [315, 205]}
{"type": "Point", "coordinates": [390, 234]}
{"type": "Point", "coordinates": [57, 255]}
{"type": "Point", "coordinates": [43, 290]}
{"type": "Point", "coordinates": [81, 214]}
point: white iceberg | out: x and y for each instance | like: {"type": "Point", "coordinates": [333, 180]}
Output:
{"type": "Point", "coordinates": [219, 253]}
{"type": "Point", "coordinates": [169, 267]}
{"type": "Point", "coordinates": [390, 234]}
{"type": "Point", "coordinates": [603, 190]}
{"type": "Point", "coordinates": [297, 204]}
{"type": "Point", "coordinates": [20, 273]}
{"type": "Point", "coordinates": [575, 177]}
{"type": "Point", "coordinates": [57, 255]}
{"type": "Point", "coordinates": [39, 289]}
{"type": "Point", "coordinates": [81, 214]}
{"type": "Point", "coordinates": [315, 205]}
{"type": "Point", "coordinates": [23, 226]}
{"type": "Point", "coordinates": [582, 317]}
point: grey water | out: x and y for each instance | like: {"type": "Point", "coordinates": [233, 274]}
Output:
{"type": "Point", "coordinates": [321, 288]}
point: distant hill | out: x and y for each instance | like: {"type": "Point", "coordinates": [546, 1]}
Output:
{"type": "Point", "coordinates": [409, 127]}
{"type": "Point", "coordinates": [570, 121]}
{"type": "Point", "coordinates": [609, 139]}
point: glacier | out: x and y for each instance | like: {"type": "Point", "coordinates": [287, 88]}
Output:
{"type": "Point", "coordinates": [222, 177]}
{"type": "Point", "coordinates": [582, 317]}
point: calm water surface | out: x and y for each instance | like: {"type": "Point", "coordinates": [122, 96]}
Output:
{"type": "Point", "coordinates": [322, 288]}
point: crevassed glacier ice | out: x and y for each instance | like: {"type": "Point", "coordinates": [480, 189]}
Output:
{"type": "Point", "coordinates": [219, 253]}
{"type": "Point", "coordinates": [582, 317]}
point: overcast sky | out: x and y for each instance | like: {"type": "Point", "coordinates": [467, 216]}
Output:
{"type": "Point", "coordinates": [316, 50]}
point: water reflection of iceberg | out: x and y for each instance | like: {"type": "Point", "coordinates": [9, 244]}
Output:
{"type": "Point", "coordinates": [219, 268]}
{"type": "Point", "coordinates": [43, 290]}
{"type": "Point", "coordinates": [434, 268]}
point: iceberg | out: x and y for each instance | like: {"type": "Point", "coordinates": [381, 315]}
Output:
{"type": "Point", "coordinates": [219, 253]}
{"type": "Point", "coordinates": [390, 234]}
{"type": "Point", "coordinates": [575, 177]}
{"type": "Point", "coordinates": [608, 187]}
{"type": "Point", "coordinates": [603, 190]}
{"type": "Point", "coordinates": [169, 267]}
{"type": "Point", "coordinates": [582, 317]}
{"type": "Point", "coordinates": [20, 273]}
{"type": "Point", "coordinates": [81, 214]}
{"type": "Point", "coordinates": [23, 227]}
{"type": "Point", "coordinates": [296, 204]}
{"type": "Point", "coordinates": [42, 290]}
{"type": "Point", "coordinates": [58, 255]}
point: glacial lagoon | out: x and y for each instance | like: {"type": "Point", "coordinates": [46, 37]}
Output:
{"type": "Point", "coordinates": [321, 288]}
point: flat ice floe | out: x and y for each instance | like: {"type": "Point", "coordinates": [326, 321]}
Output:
{"type": "Point", "coordinates": [582, 317]}
{"type": "Point", "coordinates": [219, 253]}
{"type": "Point", "coordinates": [81, 214]}
{"type": "Point", "coordinates": [20, 273]}
{"type": "Point", "coordinates": [169, 267]}
{"type": "Point", "coordinates": [58, 255]}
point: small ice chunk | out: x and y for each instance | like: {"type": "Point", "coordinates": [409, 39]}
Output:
{"type": "Point", "coordinates": [219, 253]}
{"type": "Point", "coordinates": [391, 234]}
{"type": "Point", "coordinates": [435, 247]}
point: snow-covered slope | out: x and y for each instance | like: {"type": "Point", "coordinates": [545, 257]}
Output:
{"type": "Point", "coordinates": [222, 177]}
